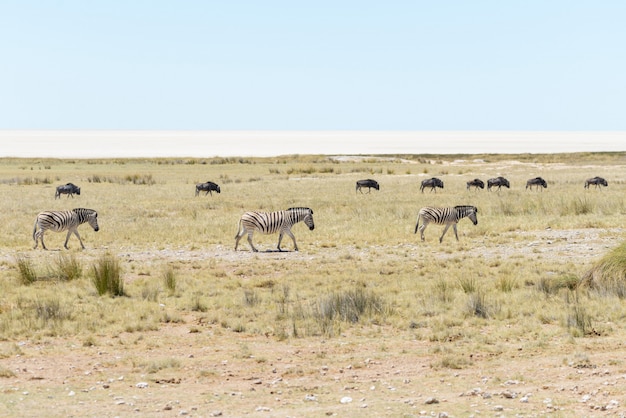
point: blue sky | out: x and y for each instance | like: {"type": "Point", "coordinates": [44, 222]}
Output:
{"type": "Point", "coordinates": [323, 65]}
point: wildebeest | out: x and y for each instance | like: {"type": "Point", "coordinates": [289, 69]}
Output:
{"type": "Point", "coordinates": [69, 189]}
{"type": "Point", "coordinates": [208, 187]}
{"type": "Point", "coordinates": [369, 183]}
{"type": "Point", "coordinates": [475, 183]}
{"type": "Point", "coordinates": [537, 182]}
{"type": "Point", "coordinates": [498, 182]}
{"type": "Point", "coordinates": [597, 181]}
{"type": "Point", "coordinates": [433, 183]}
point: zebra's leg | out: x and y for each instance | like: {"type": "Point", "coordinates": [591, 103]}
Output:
{"type": "Point", "coordinates": [42, 243]}
{"type": "Point", "coordinates": [69, 233]}
{"type": "Point", "coordinates": [250, 242]}
{"type": "Point", "coordinates": [36, 238]}
{"type": "Point", "coordinates": [455, 234]}
{"type": "Point", "coordinates": [293, 238]}
{"type": "Point", "coordinates": [446, 230]}
{"type": "Point", "coordinates": [422, 228]}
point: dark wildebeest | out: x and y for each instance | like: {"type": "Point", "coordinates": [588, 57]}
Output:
{"type": "Point", "coordinates": [475, 183]}
{"type": "Point", "coordinates": [597, 181]}
{"type": "Point", "coordinates": [498, 182]}
{"type": "Point", "coordinates": [433, 183]}
{"type": "Point", "coordinates": [69, 189]}
{"type": "Point", "coordinates": [537, 182]}
{"type": "Point", "coordinates": [369, 183]}
{"type": "Point", "coordinates": [208, 187]}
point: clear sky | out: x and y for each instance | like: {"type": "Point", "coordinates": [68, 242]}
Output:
{"type": "Point", "coordinates": [313, 65]}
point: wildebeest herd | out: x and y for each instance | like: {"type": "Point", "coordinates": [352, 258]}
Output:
{"type": "Point", "coordinates": [282, 221]}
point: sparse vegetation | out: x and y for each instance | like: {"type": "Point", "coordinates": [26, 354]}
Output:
{"type": "Point", "coordinates": [362, 280]}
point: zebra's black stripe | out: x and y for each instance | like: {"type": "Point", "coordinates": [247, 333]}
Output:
{"type": "Point", "coordinates": [59, 221]}
{"type": "Point", "coordinates": [272, 222]}
{"type": "Point", "coordinates": [448, 216]}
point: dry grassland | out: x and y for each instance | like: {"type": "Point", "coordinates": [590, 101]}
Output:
{"type": "Point", "coordinates": [365, 320]}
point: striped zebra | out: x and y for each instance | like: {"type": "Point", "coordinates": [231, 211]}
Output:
{"type": "Point", "coordinates": [271, 222]}
{"type": "Point", "coordinates": [448, 216]}
{"type": "Point", "coordinates": [59, 221]}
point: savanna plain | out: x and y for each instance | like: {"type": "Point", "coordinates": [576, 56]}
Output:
{"type": "Point", "coordinates": [524, 315]}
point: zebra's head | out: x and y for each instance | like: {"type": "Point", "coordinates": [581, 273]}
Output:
{"type": "Point", "coordinates": [469, 211]}
{"type": "Point", "coordinates": [308, 219]}
{"type": "Point", "coordinates": [88, 215]}
{"type": "Point", "coordinates": [306, 215]}
{"type": "Point", "coordinates": [473, 214]}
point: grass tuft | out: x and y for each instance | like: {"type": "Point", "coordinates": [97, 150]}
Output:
{"type": "Point", "coordinates": [608, 276]}
{"type": "Point", "coordinates": [26, 272]}
{"type": "Point", "coordinates": [107, 276]}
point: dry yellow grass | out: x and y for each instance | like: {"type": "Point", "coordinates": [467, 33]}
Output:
{"type": "Point", "coordinates": [364, 310]}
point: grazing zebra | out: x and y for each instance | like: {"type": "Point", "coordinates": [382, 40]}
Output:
{"type": "Point", "coordinates": [597, 181]}
{"type": "Point", "coordinates": [369, 183]}
{"type": "Point", "coordinates": [433, 183]}
{"type": "Point", "coordinates": [208, 187]}
{"type": "Point", "coordinates": [271, 222]}
{"type": "Point", "coordinates": [69, 189]}
{"type": "Point", "coordinates": [537, 182]}
{"type": "Point", "coordinates": [445, 216]}
{"type": "Point", "coordinates": [499, 182]}
{"type": "Point", "coordinates": [475, 183]}
{"type": "Point", "coordinates": [60, 221]}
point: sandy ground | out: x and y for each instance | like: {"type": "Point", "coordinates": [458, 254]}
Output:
{"type": "Point", "coordinates": [369, 372]}
{"type": "Point", "coordinates": [206, 144]}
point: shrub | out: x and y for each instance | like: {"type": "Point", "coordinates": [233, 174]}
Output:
{"type": "Point", "coordinates": [608, 276]}
{"type": "Point", "coordinates": [106, 276]}
{"type": "Point", "coordinates": [169, 280]}
{"type": "Point", "coordinates": [67, 268]}
{"type": "Point", "coordinates": [26, 271]}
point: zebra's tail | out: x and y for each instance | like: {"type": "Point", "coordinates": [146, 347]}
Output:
{"type": "Point", "coordinates": [238, 229]}
{"type": "Point", "coordinates": [417, 224]}
{"type": "Point", "coordinates": [35, 229]}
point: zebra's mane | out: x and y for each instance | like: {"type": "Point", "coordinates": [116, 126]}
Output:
{"type": "Point", "coordinates": [83, 210]}
{"type": "Point", "coordinates": [300, 208]}
{"type": "Point", "coordinates": [459, 207]}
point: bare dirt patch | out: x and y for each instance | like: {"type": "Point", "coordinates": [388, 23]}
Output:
{"type": "Point", "coordinates": [194, 368]}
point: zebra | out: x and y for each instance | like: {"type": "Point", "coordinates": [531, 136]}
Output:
{"type": "Point", "coordinates": [475, 183]}
{"type": "Point", "coordinates": [433, 183]}
{"type": "Point", "coordinates": [597, 181]}
{"type": "Point", "coordinates": [60, 221]}
{"type": "Point", "coordinates": [369, 183]}
{"type": "Point", "coordinates": [499, 182]}
{"type": "Point", "coordinates": [69, 189]}
{"type": "Point", "coordinates": [271, 222]}
{"type": "Point", "coordinates": [537, 182]}
{"type": "Point", "coordinates": [445, 216]}
{"type": "Point", "coordinates": [208, 187]}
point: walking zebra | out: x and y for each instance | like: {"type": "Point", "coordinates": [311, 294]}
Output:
{"type": "Point", "coordinates": [433, 183]}
{"type": "Point", "coordinates": [271, 222]}
{"type": "Point", "coordinates": [537, 182]}
{"type": "Point", "coordinates": [369, 183]}
{"type": "Point", "coordinates": [69, 189]}
{"type": "Point", "coordinates": [597, 181]}
{"type": "Point", "coordinates": [475, 183]}
{"type": "Point", "coordinates": [59, 221]}
{"type": "Point", "coordinates": [448, 216]}
{"type": "Point", "coordinates": [208, 187]}
{"type": "Point", "coordinates": [499, 182]}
